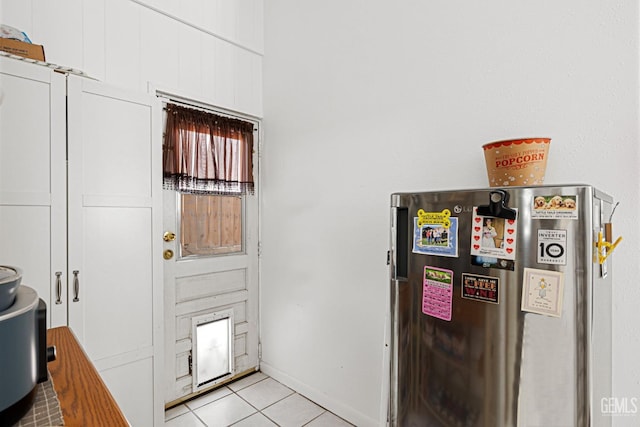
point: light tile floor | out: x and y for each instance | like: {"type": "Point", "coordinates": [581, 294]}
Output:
{"type": "Point", "coordinates": [254, 401]}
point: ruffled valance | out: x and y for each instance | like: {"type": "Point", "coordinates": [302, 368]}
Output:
{"type": "Point", "coordinates": [204, 153]}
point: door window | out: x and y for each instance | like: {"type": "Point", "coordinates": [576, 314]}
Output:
{"type": "Point", "coordinates": [210, 225]}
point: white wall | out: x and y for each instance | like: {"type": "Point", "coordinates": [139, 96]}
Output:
{"type": "Point", "coordinates": [360, 97]}
{"type": "Point", "coordinates": [208, 50]}
{"type": "Point", "coordinates": [356, 95]}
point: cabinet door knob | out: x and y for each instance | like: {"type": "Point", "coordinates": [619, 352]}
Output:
{"type": "Point", "coordinates": [76, 286]}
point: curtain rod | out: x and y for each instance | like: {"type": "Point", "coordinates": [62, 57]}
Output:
{"type": "Point", "coordinates": [208, 108]}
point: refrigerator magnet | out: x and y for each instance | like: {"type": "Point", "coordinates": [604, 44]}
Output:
{"type": "Point", "coordinates": [554, 206]}
{"type": "Point", "coordinates": [436, 239]}
{"type": "Point", "coordinates": [552, 247]}
{"type": "Point", "coordinates": [492, 262]}
{"type": "Point", "coordinates": [480, 288]}
{"type": "Point", "coordinates": [437, 292]}
{"type": "Point", "coordinates": [542, 292]}
{"type": "Point", "coordinates": [493, 238]}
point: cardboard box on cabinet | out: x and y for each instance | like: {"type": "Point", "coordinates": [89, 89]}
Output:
{"type": "Point", "coordinates": [27, 50]}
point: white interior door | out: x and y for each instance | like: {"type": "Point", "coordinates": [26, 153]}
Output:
{"type": "Point", "coordinates": [199, 284]}
{"type": "Point", "coordinates": [115, 214]}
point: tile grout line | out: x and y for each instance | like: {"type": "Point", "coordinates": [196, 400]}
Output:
{"type": "Point", "coordinates": [257, 411]}
{"type": "Point", "coordinates": [324, 411]}
{"type": "Point", "coordinates": [198, 418]}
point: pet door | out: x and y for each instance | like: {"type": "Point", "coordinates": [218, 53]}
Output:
{"type": "Point", "coordinates": [212, 354]}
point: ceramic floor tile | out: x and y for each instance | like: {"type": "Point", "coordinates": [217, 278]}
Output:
{"type": "Point", "coordinates": [208, 398]}
{"type": "Point", "coordinates": [264, 393]}
{"type": "Point", "coordinates": [184, 420]}
{"type": "Point", "coordinates": [256, 420]}
{"type": "Point", "coordinates": [329, 420]}
{"type": "Point", "coordinates": [224, 412]}
{"type": "Point", "coordinates": [247, 381]}
{"type": "Point", "coordinates": [175, 411]}
{"type": "Point", "coordinates": [293, 411]}
{"type": "Point", "coordinates": [281, 407]}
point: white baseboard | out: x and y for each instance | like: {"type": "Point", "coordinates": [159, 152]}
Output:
{"type": "Point", "coordinates": [340, 409]}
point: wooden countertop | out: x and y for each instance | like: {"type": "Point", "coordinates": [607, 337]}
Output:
{"type": "Point", "coordinates": [84, 398]}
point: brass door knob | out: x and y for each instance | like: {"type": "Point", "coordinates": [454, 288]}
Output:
{"type": "Point", "coordinates": [168, 254]}
{"type": "Point", "coordinates": [169, 236]}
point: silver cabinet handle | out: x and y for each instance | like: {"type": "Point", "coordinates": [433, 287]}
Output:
{"type": "Point", "coordinates": [58, 287]}
{"type": "Point", "coordinates": [76, 286]}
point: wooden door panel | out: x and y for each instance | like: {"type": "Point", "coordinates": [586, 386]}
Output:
{"type": "Point", "coordinates": [215, 283]}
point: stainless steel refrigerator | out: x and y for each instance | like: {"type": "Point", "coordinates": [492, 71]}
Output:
{"type": "Point", "coordinates": [500, 307]}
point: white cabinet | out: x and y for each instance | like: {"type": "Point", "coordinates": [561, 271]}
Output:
{"type": "Point", "coordinates": [80, 195]}
{"type": "Point", "coordinates": [33, 179]}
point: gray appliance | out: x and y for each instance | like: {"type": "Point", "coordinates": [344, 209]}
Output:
{"type": "Point", "coordinates": [23, 346]}
{"type": "Point", "coordinates": [500, 307]}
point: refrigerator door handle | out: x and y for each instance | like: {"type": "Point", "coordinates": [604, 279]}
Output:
{"type": "Point", "coordinates": [400, 242]}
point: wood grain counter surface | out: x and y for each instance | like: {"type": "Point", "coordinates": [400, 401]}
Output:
{"type": "Point", "coordinates": [84, 398]}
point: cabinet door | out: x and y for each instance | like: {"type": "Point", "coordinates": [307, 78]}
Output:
{"type": "Point", "coordinates": [114, 170]}
{"type": "Point", "coordinates": [33, 180]}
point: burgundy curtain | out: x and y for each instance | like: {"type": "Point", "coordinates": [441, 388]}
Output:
{"type": "Point", "coordinates": [204, 153]}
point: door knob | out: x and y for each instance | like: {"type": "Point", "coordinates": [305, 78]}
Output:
{"type": "Point", "coordinates": [168, 254]}
{"type": "Point", "coordinates": [169, 236]}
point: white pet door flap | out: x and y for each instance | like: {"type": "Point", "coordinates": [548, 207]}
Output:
{"type": "Point", "coordinates": [212, 343]}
